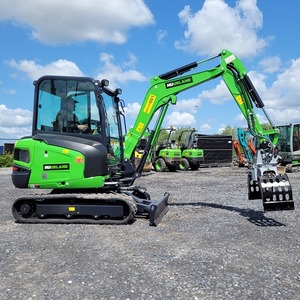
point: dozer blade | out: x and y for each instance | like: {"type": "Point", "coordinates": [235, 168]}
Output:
{"type": "Point", "coordinates": [155, 210]}
{"type": "Point", "coordinates": [276, 192]}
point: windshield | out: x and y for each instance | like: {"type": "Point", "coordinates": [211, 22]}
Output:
{"type": "Point", "coordinates": [67, 106]}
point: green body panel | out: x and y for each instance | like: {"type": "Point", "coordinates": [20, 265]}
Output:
{"type": "Point", "coordinates": [170, 153]}
{"type": "Point", "coordinates": [193, 154]}
{"type": "Point", "coordinates": [56, 167]}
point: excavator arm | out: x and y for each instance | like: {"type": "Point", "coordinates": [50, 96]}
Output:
{"type": "Point", "coordinates": [165, 88]}
{"type": "Point", "coordinates": [263, 180]}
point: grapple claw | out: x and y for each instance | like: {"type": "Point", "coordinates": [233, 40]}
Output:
{"type": "Point", "coordinates": [276, 192]}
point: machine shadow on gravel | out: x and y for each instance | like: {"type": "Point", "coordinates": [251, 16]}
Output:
{"type": "Point", "coordinates": [257, 218]}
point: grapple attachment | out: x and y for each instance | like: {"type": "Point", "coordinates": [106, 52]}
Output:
{"type": "Point", "coordinates": [276, 192]}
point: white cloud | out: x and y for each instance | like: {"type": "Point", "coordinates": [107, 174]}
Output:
{"type": "Point", "coordinates": [217, 26]}
{"type": "Point", "coordinates": [161, 35]}
{"type": "Point", "coordinates": [14, 123]}
{"type": "Point", "coordinates": [62, 22]}
{"type": "Point", "coordinates": [132, 109]}
{"type": "Point", "coordinates": [271, 64]}
{"type": "Point", "coordinates": [287, 86]}
{"type": "Point", "coordinates": [14, 132]}
{"type": "Point", "coordinates": [180, 119]}
{"type": "Point", "coordinates": [216, 95]}
{"type": "Point", "coordinates": [205, 127]}
{"type": "Point", "coordinates": [287, 115]}
{"type": "Point", "coordinates": [131, 63]}
{"type": "Point", "coordinates": [222, 128]}
{"type": "Point", "coordinates": [241, 121]}
{"type": "Point", "coordinates": [10, 92]}
{"type": "Point", "coordinates": [117, 74]}
{"type": "Point", "coordinates": [18, 117]}
{"type": "Point", "coordinates": [34, 70]}
{"type": "Point", "coordinates": [281, 99]}
{"type": "Point", "coordinates": [188, 105]}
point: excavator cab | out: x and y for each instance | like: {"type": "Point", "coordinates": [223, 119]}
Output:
{"type": "Point", "coordinates": [74, 130]}
{"type": "Point", "coordinates": [77, 150]}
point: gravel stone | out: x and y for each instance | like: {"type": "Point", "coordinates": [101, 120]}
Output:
{"type": "Point", "coordinates": [213, 244]}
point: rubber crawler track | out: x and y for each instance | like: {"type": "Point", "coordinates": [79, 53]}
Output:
{"type": "Point", "coordinates": [110, 199]}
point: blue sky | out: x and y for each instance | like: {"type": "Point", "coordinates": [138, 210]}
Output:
{"type": "Point", "coordinates": [128, 42]}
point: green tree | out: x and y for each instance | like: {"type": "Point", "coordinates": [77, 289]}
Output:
{"type": "Point", "coordinates": [266, 126]}
{"type": "Point", "coordinates": [228, 130]}
{"type": "Point", "coordinates": [6, 160]}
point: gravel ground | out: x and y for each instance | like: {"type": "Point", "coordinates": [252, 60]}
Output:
{"type": "Point", "coordinates": [213, 244]}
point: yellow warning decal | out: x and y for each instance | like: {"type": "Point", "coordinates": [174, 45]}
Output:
{"type": "Point", "coordinates": [239, 100]}
{"type": "Point", "coordinates": [140, 127]}
{"type": "Point", "coordinates": [72, 208]}
{"type": "Point", "coordinates": [65, 151]}
{"type": "Point", "coordinates": [149, 104]}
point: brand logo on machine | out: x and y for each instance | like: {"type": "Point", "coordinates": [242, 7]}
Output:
{"type": "Point", "coordinates": [179, 82]}
{"type": "Point", "coordinates": [55, 167]}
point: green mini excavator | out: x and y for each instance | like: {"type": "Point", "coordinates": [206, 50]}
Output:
{"type": "Point", "coordinates": [86, 162]}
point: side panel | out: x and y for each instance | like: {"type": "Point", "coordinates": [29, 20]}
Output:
{"type": "Point", "coordinates": [56, 166]}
